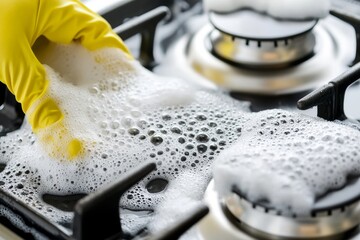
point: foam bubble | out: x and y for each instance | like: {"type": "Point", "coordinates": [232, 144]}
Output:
{"type": "Point", "coordinates": [288, 9]}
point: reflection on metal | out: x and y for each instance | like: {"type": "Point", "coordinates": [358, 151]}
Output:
{"type": "Point", "coordinates": [262, 54]}
{"type": "Point", "coordinates": [252, 25]}
{"type": "Point", "coordinates": [236, 218]}
{"type": "Point", "coordinates": [6, 234]}
{"type": "Point", "coordinates": [216, 225]}
{"type": "Point", "coordinates": [250, 39]}
{"type": "Point", "coordinates": [352, 98]}
{"type": "Point", "coordinates": [274, 225]}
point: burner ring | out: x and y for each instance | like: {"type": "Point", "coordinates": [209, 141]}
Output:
{"type": "Point", "coordinates": [250, 25]}
{"type": "Point", "coordinates": [264, 55]}
{"type": "Point", "coordinates": [333, 216]}
{"type": "Point", "coordinates": [222, 223]}
{"type": "Point", "coordinates": [253, 40]}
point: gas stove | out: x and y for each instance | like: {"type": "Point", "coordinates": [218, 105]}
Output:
{"type": "Point", "coordinates": [310, 65]}
{"type": "Point", "coordinates": [271, 69]}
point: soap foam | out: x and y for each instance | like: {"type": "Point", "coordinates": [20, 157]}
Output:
{"type": "Point", "coordinates": [126, 116]}
{"type": "Point", "coordinates": [288, 160]}
{"type": "Point", "coordinates": [286, 9]}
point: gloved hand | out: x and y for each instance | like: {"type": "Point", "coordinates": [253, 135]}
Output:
{"type": "Point", "coordinates": [22, 22]}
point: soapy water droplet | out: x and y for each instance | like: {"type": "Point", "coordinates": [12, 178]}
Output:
{"type": "Point", "coordinates": [156, 140]}
{"type": "Point", "coordinates": [202, 148]}
{"type": "Point", "coordinates": [166, 117]}
{"type": "Point", "coordinates": [176, 130]}
{"type": "Point", "coordinates": [134, 131]}
{"type": "Point", "coordinates": [202, 138]}
{"type": "Point", "coordinates": [201, 117]}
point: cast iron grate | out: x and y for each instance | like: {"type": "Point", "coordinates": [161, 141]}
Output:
{"type": "Point", "coordinates": [329, 99]}
{"type": "Point", "coordinates": [96, 216]}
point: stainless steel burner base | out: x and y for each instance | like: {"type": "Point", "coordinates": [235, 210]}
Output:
{"type": "Point", "coordinates": [254, 40]}
{"type": "Point", "coordinates": [218, 225]}
{"type": "Point", "coordinates": [332, 226]}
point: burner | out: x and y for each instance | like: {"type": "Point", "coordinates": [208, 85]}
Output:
{"type": "Point", "coordinates": [251, 25]}
{"type": "Point", "coordinates": [336, 215]}
{"type": "Point", "coordinates": [249, 39]}
{"type": "Point", "coordinates": [192, 58]}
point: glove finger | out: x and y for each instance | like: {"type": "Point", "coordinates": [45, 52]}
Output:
{"type": "Point", "coordinates": [66, 21]}
{"type": "Point", "coordinates": [26, 78]}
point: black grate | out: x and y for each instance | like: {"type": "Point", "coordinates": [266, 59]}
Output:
{"type": "Point", "coordinates": [96, 215]}
{"type": "Point", "coordinates": [329, 99]}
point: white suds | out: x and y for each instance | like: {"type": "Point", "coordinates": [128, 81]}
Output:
{"type": "Point", "coordinates": [288, 159]}
{"type": "Point", "coordinates": [126, 116]}
{"type": "Point", "coordinates": [287, 9]}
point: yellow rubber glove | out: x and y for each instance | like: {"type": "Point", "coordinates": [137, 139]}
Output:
{"type": "Point", "coordinates": [22, 22]}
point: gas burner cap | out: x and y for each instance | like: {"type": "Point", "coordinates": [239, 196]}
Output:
{"type": "Point", "coordinates": [254, 40]}
{"type": "Point", "coordinates": [333, 216]}
{"type": "Point", "coordinates": [251, 25]}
